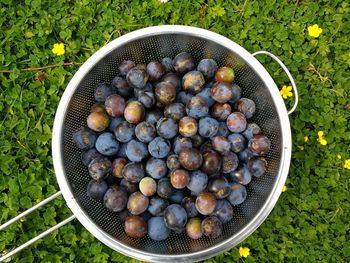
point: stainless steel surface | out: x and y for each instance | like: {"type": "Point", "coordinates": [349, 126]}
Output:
{"type": "Point", "coordinates": [286, 70]}
{"type": "Point", "coordinates": [152, 44]}
{"type": "Point", "coordinates": [31, 241]}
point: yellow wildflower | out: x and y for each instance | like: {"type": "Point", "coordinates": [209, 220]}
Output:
{"type": "Point", "coordinates": [347, 164]}
{"type": "Point", "coordinates": [301, 147]}
{"type": "Point", "coordinates": [306, 138]}
{"type": "Point", "coordinates": [314, 30]}
{"type": "Point", "coordinates": [58, 49]}
{"type": "Point", "coordinates": [286, 92]}
{"type": "Point", "coordinates": [339, 156]}
{"type": "Point", "coordinates": [28, 34]}
{"type": "Point", "coordinates": [244, 252]}
{"type": "Point", "coordinates": [284, 189]}
{"type": "Point", "coordinates": [321, 139]}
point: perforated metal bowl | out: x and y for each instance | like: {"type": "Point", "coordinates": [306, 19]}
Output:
{"type": "Point", "coordinates": [151, 44]}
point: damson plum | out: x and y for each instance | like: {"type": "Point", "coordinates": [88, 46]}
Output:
{"type": "Point", "coordinates": [96, 190]}
{"type": "Point", "coordinates": [110, 180]}
{"type": "Point", "coordinates": [164, 188]}
{"type": "Point", "coordinates": [198, 181]}
{"type": "Point", "coordinates": [208, 67]}
{"type": "Point", "coordinates": [207, 146]}
{"type": "Point", "coordinates": [205, 203]}
{"type": "Point", "coordinates": [179, 178]}
{"type": "Point", "coordinates": [211, 162]}
{"type": "Point", "coordinates": [167, 128]}
{"type": "Point", "coordinates": [147, 88]}
{"type": "Point", "coordinates": [197, 140]}
{"type": "Point", "coordinates": [156, 168]}
{"type": "Point", "coordinates": [135, 226]}
{"type": "Point", "coordinates": [129, 187]}
{"type": "Point", "coordinates": [133, 172]}
{"type": "Point", "coordinates": [246, 106]}
{"type": "Point", "coordinates": [115, 198]}
{"type": "Point", "coordinates": [147, 99]}
{"type": "Point", "coordinates": [122, 150]}
{"type": "Point", "coordinates": [251, 130]}
{"type": "Point", "coordinates": [146, 216]}
{"type": "Point", "coordinates": [230, 162]}
{"type": "Point", "coordinates": [222, 92]}
{"type": "Point", "coordinates": [223, 211]}
{"type": "Point", "coordinates": [184, 97]}
{"type": "Point", "coordinates": [197, 107]}
{"type": "Point", "coordinates": [237, 93]}
{"type": "Point", "coordinates": [124, 132]}
{"type": "Point", "coordinates": [148, 186]}
{"type": "Point", "coordinates": [137, 78]}
{"type": "Point", "coordinates": [242, 175]}
{"type": "Point", "coordinates": [136, 151]}
{"type": "Point", "coordinates": [141, 66]}
{"type": "Point", "coordinates": [157, 230]}
{"type": "Point", "coordinates": [165, 93]}
{"type": "Point", "coordinates": [257, 166]}
{"type": "Point", "coordinates": [236, 122]}
{"type": "Point", "coordinates": [206, 95]}
{"type": "Point", "coordinates": [145, 132]}
{"type": "Point", "coordinates": [155, 71]}
{"type": "Point", "coordinates": [114, 122]}
{"type": "Point", "coordinates": [175, 111]}
{"type": "Point", "coordinates": [208, 127]}
{"type": "Point", "coordinates": [225, 74]}
{"type": "Point", "coordinates": [191, 159]}
{"type": "Point", "coordinates": [238, 194]}
{"type": "Point", "coordinates": [193, 81]}
{"type": "Point", "coordinates": [157, 206]}
{"type": "Point", "coordinates": [137, 203]}
{"type": "Point", "coordinates": [168, 64]}
{"type": "Point", "coordinates": [125, 66]}
{"type": "Point", "coordinates": [172, 162]}
{"type": "Point", "coordinates": [84, 138]}
{"type": "Point", "coordinates": [221, 111]}
{"type": "Point", "coordinates": [173, 79]}
{"type": "Point", "coordinates": [221, 144]}
{"type": "Point", "coordinates": [237, 142]}
{"type": "Point", "coordinates": [99, 168]}
{"type": "Point", "coordinates": [246, 155]}
{"type": "Point", "coordinates": [88, 156]}
{"type": "Point", "coordinates": [175, 217]}
{"type": "Point", "coordinates": [219, 187]}
{"type": "Point", "coordinates": [121, 86]}
{"type": "Point", "coordinates": [123, 215]}
{"type": "Point", "coordinates": [211, 227]}
{"type": "Point", "coordinates": [97, 121]}
{"type": "Point", "coordinates": [189, 204]}
{"type": "Point", "coordinates": [118, 166]}
{"type": "Point", "coordinates": [159, 147]}
{"type": "Point", "coordinates": [152, 116]}
{"type": "Point", "coordinates": [115, 105]}
{"type": "Point", "coordinates": [106, 144]}
{"type": "Point", "coordinates": [183, 62]}
{"type": "Point", "coordinates": [259, 144]}
{"type": "Point", "coordinates": [180, 143]}
{"type": "Point", "coordinates": [102, 91]}
{"type": "Point", "coordinates": [194, 228]}
{"type": "Point", "coordinates": [223, 130]}
{"type": "Point", "coordinates": [177, 196]}
{"type": "Point", "coordinates": [134, 112]}
{"type": "Point", "coordinates": [98, 107]}
{"type": "Point", "coordinates": [188, 126]}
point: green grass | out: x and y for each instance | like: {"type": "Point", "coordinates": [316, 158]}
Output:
{"type": "Point", "coordinates": [310, 222]}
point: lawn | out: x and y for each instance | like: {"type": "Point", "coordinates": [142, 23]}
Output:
{"type": "Point", "coordinates": [310, 222]}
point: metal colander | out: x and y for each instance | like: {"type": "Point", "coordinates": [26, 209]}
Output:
{"type": "Point", "coordinates": [152, 44]}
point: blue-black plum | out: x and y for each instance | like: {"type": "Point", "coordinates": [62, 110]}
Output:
{"type": "Point", "coordinates": [115, 198]}
{"type": "Point", "coordinates": [96, 190]}
{"type": "Point", "coordinates": [237, 93]}
{"type": "Point", "coordinates": [168, 64]}
{"type": "Point", "coordinates": [180, 143]}
{"type": "Point", "coordinates": [211, 162]}
{"type": "Point", "coordinates": [115, 105]}
{"type": "Point", "coordinates": [129, 187]}
{"type": "Point", "coordinates": [211, 227]}
{"type": "Point", "coordinates": [164, 188]}
{"type": "Point", "coordinates": [157, 229]}
{"type": "Point", "coordinates": [172, 162]}
{"type": "Point", "coordinates": [206, 95]}
{"type": "Point", "coordinates": [137, 78]}
{"type": "Point", "coordinates": [99, 168]}
{"type": "Point", "coordinates": [114, 122]}
{"type": "Point", "coordinates": [237, 142]}
{"type": "Point", "coordinates": [208, 67]}
{"type": "Point", "coordinates": [107, 144]}
{"type": "Point", "coordinates": [208, 127]}
{"type": "Point", "coordinates": [221, 111]}
{"type": "Point", "coordinates": [190, 159]}
{"type": "Point", "coordinates": [152, 116]}
{"type": "Point", "coordinates": [246, 106]}
{"type": "Point", "coordinates": [89, 155]}
{"type": "Point", "coordinates": [220, 187]}
{"type": "Point", "coordinates": [156, 168]}
{"type": "Point", "coordinates": [223, 211]}
{"type": "Point", "coordinates": [165, 93]}
{"type": "Point", "coordinates": [241, 175]}
{"type": "Point", "coordinates": [197, 107]}
{"type": "Point", "coordinates": [184, 97]}
{"type": "Point", "coordinates": [155, 70]}
{"type": "Point", "coordinates": [136, 151]}
{"type": "Point", "coordinates": [183, 62]}
{"type": "Point", "coordinates": [122, 86]}
{"type": "Point", "coordinates": [159, 147]}
{"type": "Point", "coordinates": [157, 205]}
{"type": "Point", "coordinates": [84, 138]}
{"type": "Point", "coordinates": [175, 111]}
{"type": "Point", "coordinates": [145, 132]}
{"type": "Point", "coordinates": [125, 66]}
{"type": "Point", "coordinates": [223, 130]}
{"type": "Point", "coordinates": [193, 81]}
{"type": "Point", "coordinates": [167, 128]}
{"type": "Point", "coordinates": [236, 122]}
{"type": "Point", "coordinates": [133, 172]}
{"type": "Point", "coordinates": [189, 204]}
{"type": "Point", "coordinates": [221, 92]}
{"type": "Point", "coordinates": [175, 217]}
{"type": "Point", "coordinates": [221, 144]}
{"type": "Point", "coordinates": [102, 91]}
{"type": "Point", "coordinates": [173, 79]}
{"type": "Point", "coordinates": [198, 181]}
{"type": "Point", "coordinates": [251, 130]}
{"type": "Point", "coordinates": [259, 144]}
{"type": "Point", "coordinates": [230, 162]}
{"type": "Point", "coordinates": [124, 132]}
{"type": "Point", "coordinates": [257, 166]}
{"type": "Point", "coordinates": [238, 194]}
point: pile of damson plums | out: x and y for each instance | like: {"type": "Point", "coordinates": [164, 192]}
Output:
{"type": "Point", "coordinates": [169, 147]}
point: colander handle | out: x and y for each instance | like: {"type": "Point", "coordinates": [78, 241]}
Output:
{"type": "Point", "coordinates": [45, 233]}
{"type": "Point", "coordinates": [295, 90]}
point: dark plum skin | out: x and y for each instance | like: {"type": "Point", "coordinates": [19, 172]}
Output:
{"type": "Point", "coordinates": [159, 147]}
{"type": "Point", "coordinates": [188, 126]}
{"type": "Point", "coordinates": [251, 130]}
{"type": "Point", "coordinates": [206, 95]}
{"type": "Point", "coordinates": [118, 166]}
{"type": "Point", "coordinates": [164, 188]}
{"type": "Point", "coordinates": [135, 226]}
{"type": "Point", "coordinates": [220, 187]}
{"type": "Point", "coordinates": [114, 122]}
{"type": "Point", "coordinates": [115, 105]}
{"type": "Point", "coordinates": [241, 175]}
{"type": "Point", "coordinates": [194, 228]}
{"type": "Point", "coordinates": [246, 106]}
{"type": "Point", "coordinates": [230, 162]}
{"type": "Point", "coordinates": [96, 190]}
{"type": "Point", "coordinates": [106, 144]}
{"type": "Point", "coordinates": [173, 79]}
{"type": "Point", "coordinates": [183, 63]}
{"type": "Point", "coordinates": [89, 155]}
{"type": "Point", "coordinates": [134, 112]}
{"type": "Point", "coordinates": [206, 146]}
{"type": "Point", "coordinates": [236, 122]}
{"type": "Point", "coordinates": [84, 138]}
{"type": "Point", "coordinates": [225, 74]}
{"type": "Point", "coordinates": [175, 217]}
{"type": "Point", "coordinates": [152, 116]}
{"type": "Point", "coordinates": [136, 151]}
{"type": "Point", "coordinates": [205, 203]}
{"type": "Point", "coordinates": [124, 132]}
{"type": "Point", "coordinates": [115, 198]}
{"type": "Point", "coordinates": [97, 121]}
{"type": "Point", "coordinates": [137, 203]}
{"type": "Point", "coordinates": [167, 128]}
{"type": "Point", "coordinates": [155, 71]}
{"type": "Point", "coordinates": [246, 155]}
{"type": "Point", "coordinates": [175, 111]}
{"type": "Point", "coordinates": [207, 67]}
{"type": "Point", "coordinates": [257, 166]}
{"type": "Point", "coordinates": [133, 172]}
{"type": "Point", "coordinates": [211, 162]}
{"type": "Point", "coordinates": [157, 205]}
{"type": "Point", "coordinates": [197, 107]}
{"type": "Point", "coordinates": [191, 159]}
{"type": "Point", "coordinates": [98, 107]}
{"type": "Point", "coordinates": [237, 93]}
{"type": "Point", "coordinates": [99, 168]}
{"type": "Point", "coordinates": [177, 196]}
{"type": "Point", "coordinates": [147, 98]}
{"type": "Point", "coordinates": [172, 162]}
{"type": "Point", "coordinates": [179, 178]}
{"type": "Point", "coordinates": [259, 144]}
{"type": "Point", "coordinates": [137, 78]}
{"type": "Point", "coordinates": [121, 153]}
{"type": "Point", "coordinates": [123, 215]}
{"type": "Point", "coordinates": [193, 82]}
{"type": "Point", "coordinates": [198, 181]}
{"type": "Point", "coordinates": [237, 142]}
{"type": "Point", "coordinates": [129, 187]}
{"type": "Point", "coordinates": [145, 132]}
{"type": "Point", "coordinates": [238, 194]}
{"type": "Point", "coordinates": [208, 127]}
{"type": "Point", "coordinates": [211, 227]}
{"type": "Point", "coordinates": [180, 143]}
{"type": "Point", "coordinates": [221, 92]}
{"type": "Point", "coordinates": [223, 130]}
{"type": "Point", "coordinates": [125, 66]}
{"type": "Point", "coordinates": [221, 144]}
{"type": "Point", "coordinates": [156, 168]}
{"type": "Point", "coordinates": [197, 140]}
{"type": "Point", "coordinates": [147, 88]}
{"type": "Point", "coordinates": [157, 230]}
{"type": "Point", "coordinates": [121, 86]}
{"type": "Point", "coordinates": [189, 204]}
{"type": "Point", "coordinates": [221, 111]}
{"type": "Point", "coordinates": [102, 91]}
{"type": "Point", "coordinates": [165, 93]}
{"type": "Point", "coordinates": [110, 180]}
{"type": "Point", "coordinates": [223, 211]}
{"type": "Point", "coordinates": [184, 97]}
{"type": "Point", "coordinates": [168, 64]}
{"type": "Point", "coordinates": [148, 186]}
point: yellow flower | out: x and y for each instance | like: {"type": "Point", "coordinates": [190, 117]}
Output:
{"type": "Point", "coordinates": [284, 189]}
{"type": "Point", "coordinates": [286, 92]}
{"type": "Point", "coordinates": [347, 164]}
{"type": "Point", "coordinates": [244, 252]}
{"type": "Point", "coordinates": [339, 156]}
{"type": "Point", "coordinates": [301, 147]}
{"type": "Point", "coordinates": [28, 34]}
{"type": "Point", "coordinates": [58, 49]}
{"type": "Point", "coordinates": [321, 139]}
{"type": "Point", "coordinates": [314, 30]}
{"type": "Point", "coordinates": [306, 138]}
